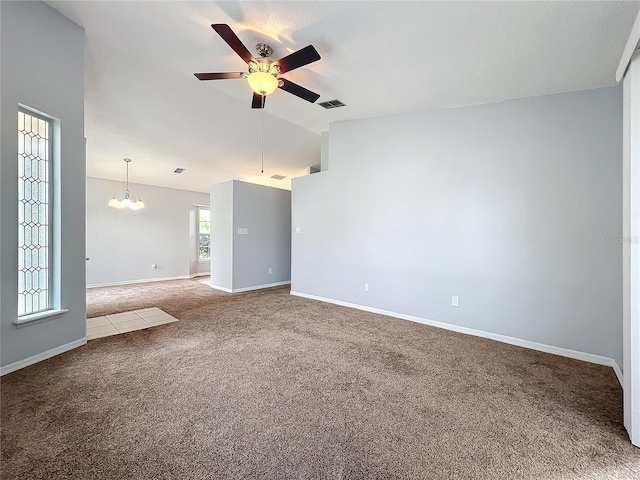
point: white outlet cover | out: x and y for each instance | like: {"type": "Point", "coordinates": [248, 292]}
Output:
{"type": "Point", "coordinates": [366, 287]}
{"type": "Point", "coordinates": [243, 231]}
{"type": "Point", "coordinates": [455, 301]}
{"type": "Point", "coordinates": [298, 230]}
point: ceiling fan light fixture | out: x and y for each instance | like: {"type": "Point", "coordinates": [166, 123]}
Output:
{"type": "Point", "coordinates": [263, 73]}
{"type": "Point", "coordinates": [262, 83]}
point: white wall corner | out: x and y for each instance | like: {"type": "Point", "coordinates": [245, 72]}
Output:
{"type": "Point", "coordinates": [631, 249]}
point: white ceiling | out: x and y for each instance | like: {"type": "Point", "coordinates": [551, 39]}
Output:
{"type": "Point", "coordinates": [143, 102]}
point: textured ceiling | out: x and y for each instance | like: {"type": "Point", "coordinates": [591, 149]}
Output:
{"type": "Point", "coordinates": [142, 100]}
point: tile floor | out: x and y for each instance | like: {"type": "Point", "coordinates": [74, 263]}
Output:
{"type": "Point", "coordinates": [126, 322]}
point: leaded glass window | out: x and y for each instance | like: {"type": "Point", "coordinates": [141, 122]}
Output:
{"type": "Point", "coordinates": [34, 213]}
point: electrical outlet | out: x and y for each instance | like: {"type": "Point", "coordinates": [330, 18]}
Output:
{"type": "Point", "coordinates": [270, 270]}
{"type": "Point", "coordinates": [455, 301]}
{"type": "Point", "coordinates": [366, 287]}
{"type": "Point", "coordinates": [154, 267]}
{"type": "Point", "coordinates": [298, 230]}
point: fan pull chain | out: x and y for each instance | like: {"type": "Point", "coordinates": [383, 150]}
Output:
{"type": "Point", "coordinates": [262, 129]}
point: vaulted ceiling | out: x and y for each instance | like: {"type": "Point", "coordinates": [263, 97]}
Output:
{"type": "Point", "coordinates": [380, 58]}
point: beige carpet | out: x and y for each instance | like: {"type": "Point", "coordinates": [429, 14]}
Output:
{"type": "Point", "coordinates": [267, 385]}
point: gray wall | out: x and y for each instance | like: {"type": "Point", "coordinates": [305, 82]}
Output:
{"type": "Point", "coordinates": [124, 244]}
{"type": "Point", "coordinates": [43, 68]}
{"type": "Point", "coordinates": [515, 207]}
{"type": "Point", "coordinates": [266, 214]}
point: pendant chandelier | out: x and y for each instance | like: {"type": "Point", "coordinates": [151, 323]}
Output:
{"type": "Point", "coordinates": [129, 201]}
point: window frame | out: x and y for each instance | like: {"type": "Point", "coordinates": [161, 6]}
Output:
{"type": "Point", "coordinates": [51, 308]}
{"type": "Point", "coordinates": [198, 233]}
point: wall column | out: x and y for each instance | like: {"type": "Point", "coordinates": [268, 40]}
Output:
{"type": "Point", "coordinates": [631, 250]}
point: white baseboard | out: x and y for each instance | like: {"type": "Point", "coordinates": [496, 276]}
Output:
{"type": "Point", "coordinates": [147, 280]}
{"type": "Point", "coordinates": [12, 367]}
{"type": "Point", "coordinates": [564, 352]}
{"type": "Point", "coordinates": [618, 372]}
{"type": "Point", "coordinates": [255, 287]}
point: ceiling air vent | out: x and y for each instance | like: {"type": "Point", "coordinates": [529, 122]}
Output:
{"type": "Point", "coordinates": [332, 104]}
{"type": "Point", "coordinates": [178, 170]}
{"type": "Point", "coordinates": [277, 177]}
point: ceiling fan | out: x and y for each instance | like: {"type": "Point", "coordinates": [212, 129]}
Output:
{"type": "Point", "coordinates": [263, 75]}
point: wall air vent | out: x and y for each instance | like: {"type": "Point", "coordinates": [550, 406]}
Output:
{"type": "Point", "coordinates": [277, 177]}
{"type": "Point", "coordinates": [178, 170]}
{"type": "Point", "coordinates": [332, 104]}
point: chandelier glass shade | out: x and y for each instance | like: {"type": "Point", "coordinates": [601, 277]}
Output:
{"type": "Point", "coordinates": [129, 201]}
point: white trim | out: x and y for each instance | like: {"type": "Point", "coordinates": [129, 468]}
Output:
{"type": "Point", "coordinates": [34, 317]}
{"type": "Point", "coordinates": [224, 289]}
{"type": "Point", "coordinates": [233, 229]}
{"type": "Point", "coordinates": [12, 367]}
{"type": "Point", "coordinates": [247, 289]}
{"type": "Point", "coordinates": [630, 47]}
{"type": "Point", "coordinates": [631, 248]}
{"type": "Point", "coordinates": [148, 280]}
{"type": "Point", "coordinates": [259, 287]}
{"type": "Point", "coordinates": [564, 352]}
{"type": "Point", "coordinates": [200, 274]}
{"type": "Point", "coordinates": [618, 372]}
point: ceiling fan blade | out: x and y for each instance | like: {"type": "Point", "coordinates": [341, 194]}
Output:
{"type": "Point", "coordinates": [298, 59]}
{"type": "Point", "coordinates": [258, 101]}
{"type": "Point", "coordinates": [299, 91]}
{"type": "Point", "coordinates": [218, 76]}
{"type": "Point", "coordinates": [232, 40]}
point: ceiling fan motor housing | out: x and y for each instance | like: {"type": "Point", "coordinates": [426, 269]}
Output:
{"type": "Point", "coordinates": [264, 50]}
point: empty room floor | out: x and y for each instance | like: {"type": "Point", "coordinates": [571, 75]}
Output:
{"type": "Point", "coordinates": [266, 385]}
